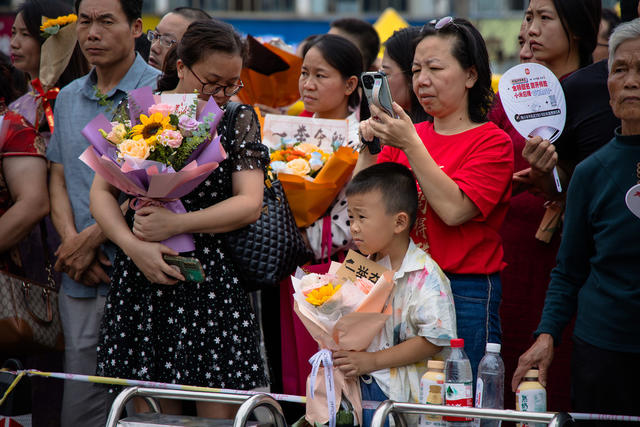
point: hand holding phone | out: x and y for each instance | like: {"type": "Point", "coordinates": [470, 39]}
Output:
{"type": "Point", "coordinates": [190, 268]}
{"type": "Point", "coordinates": [376, 89]}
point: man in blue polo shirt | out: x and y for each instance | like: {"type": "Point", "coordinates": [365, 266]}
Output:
{"type": "Point", "coordinates": [106, 30]}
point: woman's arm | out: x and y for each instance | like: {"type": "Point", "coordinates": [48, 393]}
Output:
{"type": "Point", "coordinates": [442, 193]}
{"type": "Point", "coordinates": [26, 178]}
{"type": "Point", "coordinates": [356, 363]}
{"type": "Point", "coordinates": [243, 208]}
{"type": "Point", "coordinates": [146, 255]}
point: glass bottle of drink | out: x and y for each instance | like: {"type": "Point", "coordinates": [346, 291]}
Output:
{"type": "Point", "coordinates": [458, 383]}
{"type": "Point", "coordinates": [531, 396]}
{"type": "Point", "coordinates": [432, 392]}
{"type": "Point", "coordinates": [490, 384]}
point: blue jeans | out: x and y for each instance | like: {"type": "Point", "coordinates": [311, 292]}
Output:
{"type": "Point", "coordinates": [477, 300]}
{"type": "Point", "coordinates": [371, 391]}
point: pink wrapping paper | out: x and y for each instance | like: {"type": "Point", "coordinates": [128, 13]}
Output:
{"type": "Point", "coordinates": [354, 332]}
{"type": "Point", "coordinates": [152, 182]}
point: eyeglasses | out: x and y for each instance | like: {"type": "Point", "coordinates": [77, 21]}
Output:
{"type": "Point", "coordinates": [213, 88]}
{"type": "Point", "coordinates": [165, 40]}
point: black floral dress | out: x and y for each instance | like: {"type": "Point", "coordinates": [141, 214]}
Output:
{"type": "Point", "coordinates": [195, 334]}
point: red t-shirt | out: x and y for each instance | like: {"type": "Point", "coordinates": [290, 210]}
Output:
{"type": "Point", "coordinates": [480, 161]}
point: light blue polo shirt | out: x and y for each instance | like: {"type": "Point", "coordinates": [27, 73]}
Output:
{"type": "Point", "coordinates": [75, 106]}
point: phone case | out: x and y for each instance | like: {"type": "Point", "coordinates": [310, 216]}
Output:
{"type": "Point", "coordinates": [377, 91]}
{"type": "Point", "coordinates": [190, 268]}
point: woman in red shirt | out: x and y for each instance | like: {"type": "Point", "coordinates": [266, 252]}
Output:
{"type": "Point", "coordinates": [463, 165]}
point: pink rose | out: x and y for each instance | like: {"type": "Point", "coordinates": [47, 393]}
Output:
{"type": "Point", "coordinates": [164, 109]}
{"type": "Point", "coordinates": [188, 125]}
{"type": "Point", "coordinates": [172, 138]}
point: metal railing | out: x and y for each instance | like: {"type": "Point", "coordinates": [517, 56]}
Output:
{"type": "Point", "coordinates": [396, 410]}
{"type": "Point", "coordinates": [248, 404]}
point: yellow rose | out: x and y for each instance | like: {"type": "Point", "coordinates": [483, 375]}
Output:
{"type": "Point", "coordinates": [137, 148]}
{"type": "Point", "coordinates": [306, 148]}
{"type": "Point", "coordinates": [299, 167]}
{"type": "Point", "coordinates": [117, 134]}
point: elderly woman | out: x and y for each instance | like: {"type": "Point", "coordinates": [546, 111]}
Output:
{"type": "Point", "coordinates": [463, 165]}
{"type": "Point", "coordinates": [597, 273]}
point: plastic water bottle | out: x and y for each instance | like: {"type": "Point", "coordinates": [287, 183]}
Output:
{"type": "Point", "coordinates": [490, 384]}
{"type": "Point", "coordinates": [458, 383]}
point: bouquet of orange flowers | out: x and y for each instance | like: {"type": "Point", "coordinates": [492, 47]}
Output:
{"type": "Point", "coordinates": [310, 160]}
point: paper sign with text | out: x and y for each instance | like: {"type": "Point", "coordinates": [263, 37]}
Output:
{"type": "Point", "coordinates": [326, 134]}
{"type": "Point", "coordinates": [533, 100]}
{"type": "Point", "coordinates": [356, 265]}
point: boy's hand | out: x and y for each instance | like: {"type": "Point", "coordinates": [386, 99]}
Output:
{"type": "Point", "coordinates": [354, 363]}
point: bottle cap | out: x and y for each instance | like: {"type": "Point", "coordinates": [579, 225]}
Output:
{"type": "Point", "coordinates": [493, 347]}
{"type": "Point", "coordinates": [435, 364]}
{"type": "Point", "coordinates": [457, 343]}
{"type": "Point", "coordinates": [531, 373]}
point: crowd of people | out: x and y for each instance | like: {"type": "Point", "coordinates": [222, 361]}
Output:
{"type": "Point", "coordinates": [482, 244]}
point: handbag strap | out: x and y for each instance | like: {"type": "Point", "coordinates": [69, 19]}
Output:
{"type": "Point", "coordinates": [230, 114]}
{"type": "Point", "coordinates": [47, 257]}
{"type": "Point", "coordinates": [325, 244]}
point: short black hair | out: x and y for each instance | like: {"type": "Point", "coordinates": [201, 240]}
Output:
{"type": "Point", "coordinates": [470, 50]}
{"type": "Point", "coordinates": [395, 182]}
{"type": "Point", "coordinates": [365, 34]}
{"type": "Point", "coordinates": [191, 13]}
{"type": "Point", "coordinates": [610, 17]}
{"type": "Point", "coordinates": [131, 8]}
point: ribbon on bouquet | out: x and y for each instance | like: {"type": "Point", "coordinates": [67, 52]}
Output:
{"type": "Point", "coordinates": [47, 96]}
{"type": "Point", "coordinates": [325, 358]}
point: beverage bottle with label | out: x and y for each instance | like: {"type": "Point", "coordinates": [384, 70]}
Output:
{"type": "Point", "coordinates": [432, 391]}
{"type": "Point", "coordinates": [490, 384]}
{"type": "Point", "coordinates": [458, 383]}
{"type": "Point", "coordinates": [531, 396]}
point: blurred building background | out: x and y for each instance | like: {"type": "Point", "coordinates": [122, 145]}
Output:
{"type": "Point", "coordinates": [293, 20]}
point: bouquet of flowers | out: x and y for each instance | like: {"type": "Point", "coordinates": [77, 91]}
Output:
{"type": "Point", "coordinates": [303, 159]}
{"type": "Point", "coordinates": [60, 41]}
{"type": "Point", "coordinates": [159, 153]}
{"type": "Point", "coordinates": [310, 160]}
{"type": "Point", "coordinates": [340, 314]}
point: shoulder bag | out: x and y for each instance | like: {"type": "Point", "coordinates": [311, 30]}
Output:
{"type": "Point", "coordinates": [271, 248]}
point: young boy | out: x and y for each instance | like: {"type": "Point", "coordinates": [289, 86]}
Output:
{"type": "Point", "coordinates": [382, 205]}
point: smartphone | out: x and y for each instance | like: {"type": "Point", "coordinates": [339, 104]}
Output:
{"type": "Point", "coordinates": [376, 89]}
{"type": "Point", "coordinates": [190, 268]}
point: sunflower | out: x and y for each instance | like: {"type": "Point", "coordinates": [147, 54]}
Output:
{"type": "Point", "coordinates": [150, 127]}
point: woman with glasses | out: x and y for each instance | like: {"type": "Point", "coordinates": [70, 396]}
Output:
{"type": "Point", "coordinates": [463, 165]}
{"type": "Point", "coordinates": [170, 30]}
{"type": "Point", "coordinates": [191, 333]}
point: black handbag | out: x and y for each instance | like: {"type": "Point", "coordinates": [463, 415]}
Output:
{"type": "Point", "coordinates": [271, 248]}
